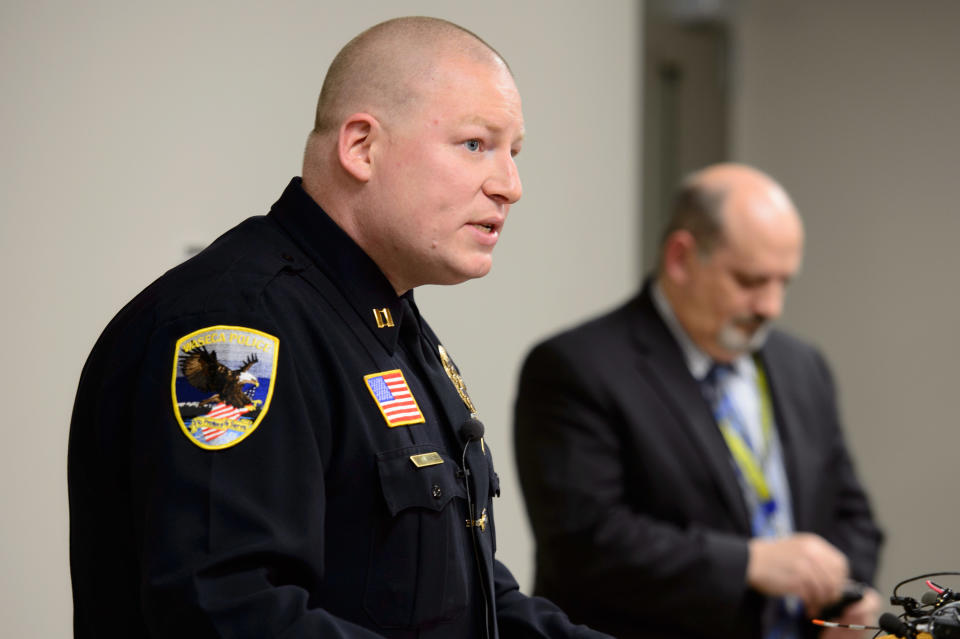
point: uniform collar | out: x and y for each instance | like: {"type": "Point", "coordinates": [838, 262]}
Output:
{"type": "Point", "coordinates": [358, 277]}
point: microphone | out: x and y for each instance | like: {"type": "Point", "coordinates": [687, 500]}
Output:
{"type": "Point", "coordinates": [471, 430]}
{"type": "Point", "coordinates": [942, 624]}
{"type": "Point", "coordinates": [938, 596]}
{"type": "Point", "coordinates": [891, 624]}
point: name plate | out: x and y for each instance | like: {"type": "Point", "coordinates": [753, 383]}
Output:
{"type": "Point", "coordinates": [426, 459]}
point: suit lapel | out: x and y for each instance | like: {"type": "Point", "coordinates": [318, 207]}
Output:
{"type": "Point", "coordinates": [791, 438]}
{"type": "Point", "coordinates": [662, 361]}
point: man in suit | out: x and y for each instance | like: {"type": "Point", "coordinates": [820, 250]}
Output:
{"type": "Point", "coordinates": [683, 463]}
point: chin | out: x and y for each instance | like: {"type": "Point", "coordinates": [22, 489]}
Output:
{"type": "Point", "coordinates": [483, 271]}
{"type": "Point", "coordinates": [459, 276]}
{"type": "Point", "coordinates": [477, 269]}
{"type": "Point", "coordinates": [737, 342]}
{"type": "Point", "coordinates": [759, 338]}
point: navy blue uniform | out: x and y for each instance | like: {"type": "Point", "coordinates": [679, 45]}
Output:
{"type": "Point", "coordinates": [258, 449]}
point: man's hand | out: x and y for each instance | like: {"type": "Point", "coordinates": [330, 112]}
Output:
{"type": "Point", "coordinates": [865, 612]}
{"type": "Point", "coordinates": [804, 565]}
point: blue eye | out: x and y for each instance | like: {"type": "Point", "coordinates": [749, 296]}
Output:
{"type": "Point", "coordinates": [472, 145]}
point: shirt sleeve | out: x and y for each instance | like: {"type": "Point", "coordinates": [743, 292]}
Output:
{"type": "Point", "coordinates": [231, 540]}
{"type": "Point", "coordinates": [521, 616]}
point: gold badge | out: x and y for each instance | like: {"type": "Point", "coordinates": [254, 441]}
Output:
{"type": "Point", "coordinates": [456, 379]}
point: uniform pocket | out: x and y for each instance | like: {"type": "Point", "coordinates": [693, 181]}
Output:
{"type": "Point", "coordinates": [418, 564]}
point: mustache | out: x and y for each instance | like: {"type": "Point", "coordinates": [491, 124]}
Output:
{"type": "Point", "coordinates": [750, 321]}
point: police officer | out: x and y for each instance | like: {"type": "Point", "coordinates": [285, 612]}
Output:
{"type": "Point", "coordinates": [269, 440]}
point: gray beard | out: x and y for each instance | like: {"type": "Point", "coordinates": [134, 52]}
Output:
{"type": "Point", "coordinates": [735, 340]}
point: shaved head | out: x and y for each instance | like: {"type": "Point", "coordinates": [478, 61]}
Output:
{"type": "Point", "coordinates": [412, 152]}
{"type": "Point", "coordinates": [383, 70]}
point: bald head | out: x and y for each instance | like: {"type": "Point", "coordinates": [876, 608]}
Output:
{"type": "Point", "coordinates": [385, 69]}
{"type": "Point", "coordinates": [733, 243]}
{"type": "Point", "coordinates": [412, 156]}
{"type": "Point", "coordinates": [711, 199]}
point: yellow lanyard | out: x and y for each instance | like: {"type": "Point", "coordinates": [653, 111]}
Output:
{"type": "Point", "coordinates": [746, 460]}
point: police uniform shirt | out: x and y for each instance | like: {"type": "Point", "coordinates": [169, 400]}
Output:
{"type": "Point", "coordinates": [254, 453]}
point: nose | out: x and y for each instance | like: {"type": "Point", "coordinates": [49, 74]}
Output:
{"type": "Point", "coordinates": [504, 181]}
{"type": "Point", "coordinates": [769, 300]}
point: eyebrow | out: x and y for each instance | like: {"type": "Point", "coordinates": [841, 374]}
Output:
{"type": "Point", "coordinates": [481, 121]}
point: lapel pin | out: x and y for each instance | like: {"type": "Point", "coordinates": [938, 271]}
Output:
{"type": "Point", "coordinates": [384, 317]}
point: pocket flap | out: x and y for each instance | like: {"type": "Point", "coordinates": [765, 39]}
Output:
{"type": "Point", "coordinates": [405, 485]}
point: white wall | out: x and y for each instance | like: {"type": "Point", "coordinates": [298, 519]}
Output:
{"type": "Point", "coordinates": [853, 105]}
{"type": "Point", "coordinates": [131, 130]}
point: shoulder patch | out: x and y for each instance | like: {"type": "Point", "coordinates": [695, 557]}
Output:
{"type": "Point", "coordinates": [394, 398]}
{"type": "Point", "coordinates": [222, 383]}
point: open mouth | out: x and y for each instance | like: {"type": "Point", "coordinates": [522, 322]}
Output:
{"type": "Point", "coordinates": [488, 228]}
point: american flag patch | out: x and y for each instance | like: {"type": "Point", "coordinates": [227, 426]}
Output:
{"type": "Point", "coordinates": [394, 399]}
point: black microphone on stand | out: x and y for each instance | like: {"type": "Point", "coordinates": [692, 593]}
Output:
{"type": "Point", "coordinates": [891, 624]}
{"type": "Point", "coordinates": [943, 623]}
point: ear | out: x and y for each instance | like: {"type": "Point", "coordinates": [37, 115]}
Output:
{"type": "Point", "coordinates": [357, 135]}
{"type": "Point", "coordinates": [679, 250]}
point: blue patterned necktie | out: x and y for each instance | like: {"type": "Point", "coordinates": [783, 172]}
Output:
{"type": "Point", "coordinates": [753, 460]}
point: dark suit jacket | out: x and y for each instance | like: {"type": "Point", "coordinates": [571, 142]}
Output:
{"type": "Point", "coordinates": [640, 524]}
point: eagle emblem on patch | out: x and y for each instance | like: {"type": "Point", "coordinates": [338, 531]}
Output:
{"type": "Point", "coordinates": [222, 383]}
